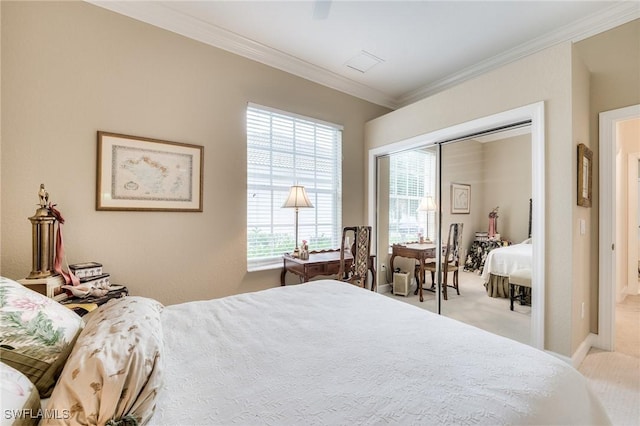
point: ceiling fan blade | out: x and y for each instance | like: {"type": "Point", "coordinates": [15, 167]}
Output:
{"type": "Point", "coordinates": [321, 9]}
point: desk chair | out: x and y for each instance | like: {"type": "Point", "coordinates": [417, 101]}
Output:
{"type": "Point", "coordinates": [361, 250]}
{"type": "Point", "coordinates": [450, 263]}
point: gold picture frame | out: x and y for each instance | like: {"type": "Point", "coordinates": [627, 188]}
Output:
{"type": "Point", "coordinates": [585, 175]}
{"type": "Point", "coordinates": [144, 174]}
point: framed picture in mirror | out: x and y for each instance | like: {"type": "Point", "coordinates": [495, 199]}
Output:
{"type": "Point", "coordinates": [460, 198]}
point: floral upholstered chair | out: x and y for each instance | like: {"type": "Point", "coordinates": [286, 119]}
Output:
{"type": "Point", "coordinates": [355, 272]}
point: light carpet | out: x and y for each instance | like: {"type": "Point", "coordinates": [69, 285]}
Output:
{"type": "Point", "coordinates": [474, 307]}
{"type": "Point", "coordinates": [615, 376]}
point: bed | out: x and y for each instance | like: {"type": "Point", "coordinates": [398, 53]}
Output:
{"type": "Point", "coordinates": [501, 262]}
{"type": "Point", "coordinates": [320, 353]}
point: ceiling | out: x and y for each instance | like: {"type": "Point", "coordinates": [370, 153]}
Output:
{"type": "Point", "coordinates": [407, 49]}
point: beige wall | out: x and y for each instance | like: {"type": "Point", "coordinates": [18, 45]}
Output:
{"type": "Point", "coordinates": [463, 162]}
{"type": "Point", "coordinates": [507, 184]}
{"type": "Point", "coordinates": [70, 69]}
{"type": "Point", "coordinates": [583, 279]}
{"type": "Point", "coordinates": [613, 59]}
{"type": "Point", "coordinates": [499, 173]}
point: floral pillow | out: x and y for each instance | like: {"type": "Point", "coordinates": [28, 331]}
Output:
{"type": "Point", "coordinates": [36, 334]}
{"type": "Point", "coordinates": [20, 400]}
{"type": "Point", "coordinates": [114, 371]}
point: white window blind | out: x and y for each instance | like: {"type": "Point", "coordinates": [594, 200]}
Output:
{"type": "Point", "coordinates": [412, 176]}
{"type": "Point", "coordinates": [284, 149]}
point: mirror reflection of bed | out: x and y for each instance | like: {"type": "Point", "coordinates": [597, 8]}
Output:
{"type": "Point", "coordinates": [498, 170]}
{"type": "Point", "coordinates": [505, 267]}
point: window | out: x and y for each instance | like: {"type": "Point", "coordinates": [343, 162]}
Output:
{"type": "Point", "coordinates": [284, 149]}
{"type": "Point", "coordinates": [411, 177]}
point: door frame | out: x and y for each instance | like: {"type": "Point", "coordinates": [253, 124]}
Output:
{"type": "Point", "coordinates": [607, 223]}
{"type": "Point", "coordinates": [633, 182]}
{"type": "Point", "coordinates": [533, 112]}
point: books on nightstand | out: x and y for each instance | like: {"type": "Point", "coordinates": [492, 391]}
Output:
{"type": "Point", "coordinates": [482, 236]}
{"type": "Point", "coordinates": [96, 281]}
{"type": "Point", "coordinates": [86, 269]}
{"type": "Point", "coordinates": [91, 273]}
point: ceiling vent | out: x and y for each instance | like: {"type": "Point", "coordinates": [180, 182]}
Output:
{"type": "Point", "coordinates": [363, 62]}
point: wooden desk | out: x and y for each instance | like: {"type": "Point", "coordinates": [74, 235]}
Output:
{"type": "Point", "coordinates": [321, 263]}
{"type": "Point", "coordinates": [418, 251]}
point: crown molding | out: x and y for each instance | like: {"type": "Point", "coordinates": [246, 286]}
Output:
{"type": "Point", "coordinates": [161, 15]}
{"type": "Point", "coordinates": [612, 17]}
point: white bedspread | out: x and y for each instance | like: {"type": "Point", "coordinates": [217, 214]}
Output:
{"type": "Point", "coordinates": [328, 353]}
{"type": "Point", "coordinates": [504, 260]}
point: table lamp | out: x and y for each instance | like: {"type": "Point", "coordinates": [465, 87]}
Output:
{"type": "Point", "coordinates": [427, 205]}
{"type": "Point", "coordinates": [297, 199]}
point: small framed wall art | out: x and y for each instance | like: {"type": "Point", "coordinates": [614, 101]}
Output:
{"type": "Point", "coordinates": [143, 174]}
{"type": "Point", "coordinates": [460, 198]}
{"type": "Point", "coordinates": [585, 172]}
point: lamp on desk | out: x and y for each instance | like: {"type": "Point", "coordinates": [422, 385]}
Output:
{"type": "Point", "coordinates": [297, 199]}
{"type": "Point", "coordinates": [427, 205]}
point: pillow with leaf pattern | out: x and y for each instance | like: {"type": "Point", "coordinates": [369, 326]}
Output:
{"type": "Point", "coordinates": [36, 334]}
{"type": "Point", "coordinates": [114, 372]}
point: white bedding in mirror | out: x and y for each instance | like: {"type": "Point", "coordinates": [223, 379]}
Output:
{"type": "Point", "coordinates": [504, 260]}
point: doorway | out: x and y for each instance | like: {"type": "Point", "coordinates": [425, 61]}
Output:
{"type": "Point", "coordinates": [613, 278]}
{"type": "Point", "coordinates": [535, 115]}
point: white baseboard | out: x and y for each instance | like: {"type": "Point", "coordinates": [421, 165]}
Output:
{"type": "Point", "coordinates": [384, 288]}
{"type": "Point", "coordinates": [601, 343]}
{"type": "Point", "coordinates": [582, 351]}
{"type": "Point", "coordinates": [580, 354]}
{"type": "Point", "coordinates": [623, 293]}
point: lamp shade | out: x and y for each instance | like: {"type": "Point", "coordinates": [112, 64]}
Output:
{"type": "Point", "coordinates": [427, 204]}
{"type": "Point", "coordinates": [297, 198]}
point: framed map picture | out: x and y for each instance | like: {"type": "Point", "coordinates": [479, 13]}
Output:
{"type": "Point", "coordinates": [460, 198]}
{"type": "Point", "coordinates": [143, 174]}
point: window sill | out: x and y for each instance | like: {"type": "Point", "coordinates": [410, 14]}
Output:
{"type": "Point", "coordinates": [268, 267]}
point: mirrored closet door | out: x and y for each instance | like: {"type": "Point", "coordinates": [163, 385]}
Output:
{"type": "Point", "coordinates": [407, 224]}
{"type": "Point", "coordinates": [443, 209]}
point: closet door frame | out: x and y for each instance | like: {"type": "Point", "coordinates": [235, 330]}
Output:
{"type": "Point", "coordinates": [534, 113]}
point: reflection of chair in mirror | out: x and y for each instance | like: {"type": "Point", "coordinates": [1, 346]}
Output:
{"type": "Point", "coordinates": [357, 272]}
{"type": "Point", "coordinates": [450, 263]}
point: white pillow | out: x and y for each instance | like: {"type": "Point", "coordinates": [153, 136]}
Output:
{"type": "Point", "coordinates": [20, 400]}
{"type": "Point", "coordinates": [527, 241]}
